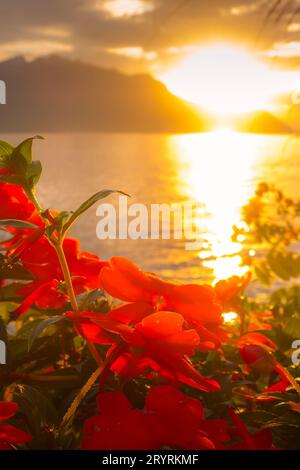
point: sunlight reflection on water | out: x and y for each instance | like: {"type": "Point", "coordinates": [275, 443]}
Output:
{"type": "Point", "coordinates": [217, 169]}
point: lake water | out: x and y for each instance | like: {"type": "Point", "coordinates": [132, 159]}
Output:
{"type": "Point", "coordinates": [219, 171]}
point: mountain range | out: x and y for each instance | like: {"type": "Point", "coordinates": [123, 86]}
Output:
{"type": "Point", "coordinates": [53, 94]}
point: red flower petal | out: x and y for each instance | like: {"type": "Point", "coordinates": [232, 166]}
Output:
{"type": "Point", "coordinates": [10, 434]}
{"type": "Point", "coordinates": [197, 303]}
{"type": "Point", "coordinates": [7, 410]}
{"type": "Point", "coordinates": [113, 403]}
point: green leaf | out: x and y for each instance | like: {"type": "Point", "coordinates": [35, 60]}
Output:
{"type": "Point", "coordinates": [12, 179]}
{"type": "Point", "coordinates": [34, 172]}
{"type": "Point", "coordinates": [16, 223]}
{"type": "Point", "coordinates": [20, 165]}
{"type": "Point", "coordinates": [26, 172]}
{"type": "Point", "coordinates": [41, 327]}
{"type": "Point", "coordinates": [49, 230]}
{"type": "Point", "coordinates": [88, 298]}
{"type": "Point", "coordinates": [5, 153]}
{"type": "Point", "coordinates": [5, 149]}
{"type": "Point", "coordinates": [24, 149]}
{"type": "Point", "coordinates": [61, 219]}
{"type": "Point", "coordinates": [37, 407]}
{"type": "Point", "coordinates": [89, 203]}
{"type": "Point", "coordinates": [28, 326]}
{"type": "Point", "coordinates": [4, 161]}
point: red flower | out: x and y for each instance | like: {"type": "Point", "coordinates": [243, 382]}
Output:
{"type": "Point", "coordinates": [166, 342]}
{"type": "Point", "coordinates": [15, 204]}
{"type": "Point", "coordinates": [256, 350]}
{"type": "Point", "coordinates": [41, 260]}
{"type": "Point", "coordinates": [230, 291]}
{"type": "Point", "coordinates": [123, 280]}
{"type": "Point", "coordinates": [169, 419]}
{"type": "Point", "coordinates": [9, 434]}
{"type": "Point", "coordinates": [198, 304]}
{"type": "Point", "coordinates": [159, 340]}
{"type": "Point", "coordinates": [258, 358]}
{"type": "Point", "coordinates": [44, 295]}
{"type": "Point", "coordinates": [117, 427]}
{"type": "Point", "coordinates": [178, 421]}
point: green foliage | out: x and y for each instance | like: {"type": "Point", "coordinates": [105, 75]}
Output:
{"type": "Point", "coordinates": [22, 169]}
{"type": "Point", "coordinates": [41, 327]}
{"type": "Point", "coordinates": [19, 224]}
{"type": "Point", "coordinates": [273, 231]}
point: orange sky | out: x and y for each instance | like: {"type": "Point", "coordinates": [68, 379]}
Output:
{"type": "Point", "coordinates": [144, 35]}
{"type": "Point", "coordinates": [218, 44]}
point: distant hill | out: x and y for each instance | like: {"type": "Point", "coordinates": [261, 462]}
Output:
{"type": "Point", "coordinates": [55, 94]}
{"type": "Point", "coordinates": [261, 122]}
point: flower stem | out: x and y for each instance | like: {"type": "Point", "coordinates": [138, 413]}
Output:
{"type": "Point", "coordinates": [31, 195]}
{"type": "Point", "coordinates": [104, 367]}
{"type": "Point", "coordinates": [76, 402]}
{"type": "Point", "coordinates": [66, 273]}
{"type": "Point", "coordinates": [58, 246]}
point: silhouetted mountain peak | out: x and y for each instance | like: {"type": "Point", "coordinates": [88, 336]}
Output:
{"type": "Point", "coordinates": [16, 61]}
{"type": "Point", "coordinates": [54, 93]}
{"type": "Point", "coordinates": [261, 122]}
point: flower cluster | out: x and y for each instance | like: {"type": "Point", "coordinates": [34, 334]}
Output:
{"type": "Point", "coordinates": [159, 347]}
{"type": "Point", "coordinates": [160, 327]}
{"type": "Point", "coordinates": [169, 419]}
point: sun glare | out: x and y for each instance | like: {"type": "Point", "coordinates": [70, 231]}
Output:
{"type": "Point", "coordinates": [226, 79]}
{"type": "Point", "coordinates": [215, 169]}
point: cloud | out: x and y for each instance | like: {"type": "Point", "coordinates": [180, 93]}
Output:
{"type": "Point", "coordinates": [123, 8]}
{"type": "Point", "coordinates": [50, 32]}
{"type": "Point", "coordinates": [32, 49]}
{"type": "Point", "coordinates": [293, 28]}
{"type": "Point", "coordinates": [285, 50]}
{"type": "Point", "coordinates": [244, 9]}
{"type": "Point", "coordinates": [134, 35]}
{"type": "Point", "coordinates": [133, 52]}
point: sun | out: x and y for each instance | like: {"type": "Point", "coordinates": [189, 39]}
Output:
{"type": "Point", "coordinates": [225, 79]}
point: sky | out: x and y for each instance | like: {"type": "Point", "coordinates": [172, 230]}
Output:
{"type": "Point", "coordinates": [145, 35]}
